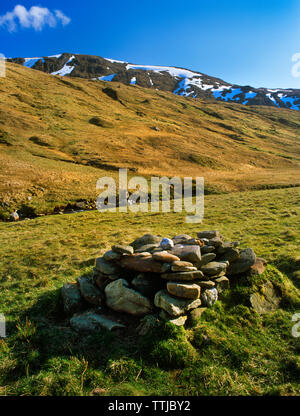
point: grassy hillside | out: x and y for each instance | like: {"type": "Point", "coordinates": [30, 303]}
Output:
{"type": "Point", "coordinates": [59, 135]}
{"type": "Point", "coordinates": [230, 350]}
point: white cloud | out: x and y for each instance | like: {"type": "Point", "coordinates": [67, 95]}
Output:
{"type": "Point", "coordinates": [36, 17]}
{"type": "Point", "coordinates": [65, 20]}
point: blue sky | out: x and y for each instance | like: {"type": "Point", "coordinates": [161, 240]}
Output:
{"type": "Point", "coordinates": [247, 42]}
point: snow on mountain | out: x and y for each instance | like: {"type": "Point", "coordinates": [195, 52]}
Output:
{"type": "Point", "coordinates": [269, 95]}
{"type": "Point", "coordinates": [66, 69]}
{"type": "Point", "coordinates": [133, 81]}
{"type": "Point", "coordinates": [290, 100]}
{"type": "Point", "coordinates": [174, 72]}
{"type": "Point", "coordinates": [108, 78]}
{"type": "Point", "coordinates": [30, 62]}
{"type": "Point", "coordinates": [115, 61]}
{"type": "Point", "coordinates": [180, 81]}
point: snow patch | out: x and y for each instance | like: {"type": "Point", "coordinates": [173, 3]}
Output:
{"type": "Point", "coordinates": [107, 77]}
{"type": "Point", "coordinates": [272, 99]}
{"type": "Point", "coordinates": [55, 56]}
{"type": "Point", "coordinates": [133, 81]}
{"type": "Point", "coordinates": [115, 60]}
{"type": "Point", "coordinates": [30, 62]}
{"type": "Point", "coordinates": [66, 69]}
{"type": "Point", "coordinates": [250, 94]}
{"type": "Point", "coordinates": [183, 86]}
{"type": "Point", "coordinates": [218, 93]}
{"type": "Point", "coordinates": [174, 72]}
{"type": "Point", "coordinates": [291, 101]}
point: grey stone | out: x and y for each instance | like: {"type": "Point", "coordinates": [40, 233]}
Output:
{"type": "Point", "coordinates": [145, 239]}
{"type": "Point", "coordinates": [122, 249]}
{"type": "Point", "coordinates": [111, 256]}
{"type": "Point", "coordinates": [91, 322]}
{"type": "Point", "coordinates": [216, 276]}
{"type": "Point", "coordinates": [222, 249]}
{"type": "Point", "coordinates": [89, 292]}
{"type": "Point", "coordinates": [188, 253]}
{"type": "Point", "coordinates": [72, 299]}
{"type": "Point", "coordinates": [182, 276]}
{"type": "Point", "coordinates": [222, 283]}
{"type": "Point", "coordinates": [147, 248]}
{"type": "Point", "coordinates": [106, 267]}
{"type": "Point", "coordinates": [174, 306]}
{"type": "Point", "coordinates": [208, 234]}
{"type": "Point", "coordinates": [207, 258]}
{"type": "Point", "coordinates": [182, 266]}
{"type": "Point", "coordinates": [121, 298]}
{"type": "Point", "coordinates": [182, 238]}
{"type": "Point", "coordinates": [213, 268]}
{"type": "Point", "coordinates": [209, 297]}
{"type": "Point", "coordinates": [266, 300]}
{"type": "Point", "coordinates": [216, 242]}
{"type": "Point", "coordinates": [180, 321]}
{"type": "Point", "coordinates": [230, 254]}
{"type": "Point", "coordinates": [208, 284]}
{"type": "Point", "coordinates": [243, 263]}
{"type": "Point", "coordinates": [207, 249]}
{"type": "Point", "coordinates": [184, 290]}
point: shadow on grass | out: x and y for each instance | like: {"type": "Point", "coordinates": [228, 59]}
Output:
{"type": "Point", "coordinates": [43, 334]}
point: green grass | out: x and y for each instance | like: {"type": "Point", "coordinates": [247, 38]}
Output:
{"type": "Point", "coordinates": [230, 350]}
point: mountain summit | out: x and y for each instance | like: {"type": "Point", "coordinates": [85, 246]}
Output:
{"type": "Point", "coordinates": [180, 81]}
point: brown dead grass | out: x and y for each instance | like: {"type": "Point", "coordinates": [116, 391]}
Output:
{"type": "Point", "coordinates": [240, 148]}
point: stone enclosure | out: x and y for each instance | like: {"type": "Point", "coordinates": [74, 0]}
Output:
{"type": "Point", "coordinates": [156, 278]}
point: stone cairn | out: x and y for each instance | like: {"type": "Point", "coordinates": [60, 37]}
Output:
{"type": "Point", "coordinates": [156, 278]}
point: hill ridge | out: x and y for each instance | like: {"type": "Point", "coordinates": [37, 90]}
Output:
{"type": "Point", "coordinates": [46, 122]}
{"type": "Point", "coordinates": [180, 81]}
